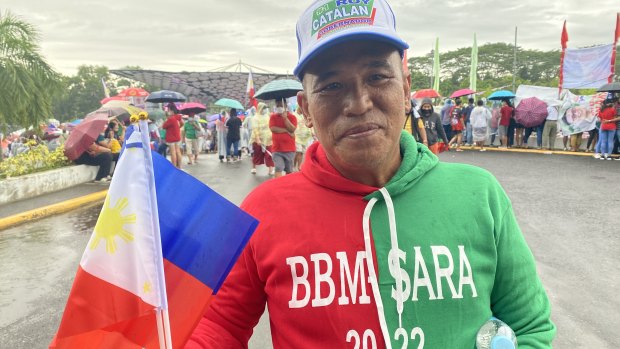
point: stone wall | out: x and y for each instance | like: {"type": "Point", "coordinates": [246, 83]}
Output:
{"type": "Point", "coordinates": [28, 186]}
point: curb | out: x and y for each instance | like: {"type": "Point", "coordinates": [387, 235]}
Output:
{"type": "Point", "coordinates": [531, 151]}
{"type": "Point", "coordinates": [49, 210]}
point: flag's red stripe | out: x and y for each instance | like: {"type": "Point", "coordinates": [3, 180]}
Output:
{"type": "Point", "coordinates": [100, 313]}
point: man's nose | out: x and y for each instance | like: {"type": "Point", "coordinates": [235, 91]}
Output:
{"type": "Point", "coordinates": [358, 100]}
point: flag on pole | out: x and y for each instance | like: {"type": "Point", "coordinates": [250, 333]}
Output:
{"type": "Point", "coordinates": [106, 90]}
{"type": "Point", "coordinates": [613, 55]}
{"type": "Point", "coordinates": [250, 91]}
{"type": "Point", "coordinates": [473, 70]}
{"type": "Point", "coordinates": [119, 282]}
{"type": "Point", "coordinates": [563, 41]}
{"type": "Point", "coordinates": [436, 66]}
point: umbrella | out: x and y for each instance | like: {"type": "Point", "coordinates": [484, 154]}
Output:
{"type": "Point", "coordinates": [279, 89]}
{"type": "Point", "coordinates": [133, 92]}
{"type": "Point", "coordinates": [531, 112]}
{"type": "Point", "coordinates": [500, 95]}
{"type": "Point", "coordinates": [84, 134]}
{"type": "Point", "coordinates": [230, 103]}
{"type": "Point", "coordinates": [612, 87]}
{"type": "Point", "coordinates": [120, 109]}
{"type": "Point", "coordinates": [113, 98]}
{"type": "Point", "coordinates": [426, 93]}
{"type": "Point", "coordinates": [462, 92]}
{"type": "Point", "coordinates": [164, 96]}
{"type": "Point", "coordinates": [192, 108]}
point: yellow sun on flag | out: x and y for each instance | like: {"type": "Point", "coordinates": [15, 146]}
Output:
{"type": "Point", "coordinates": [147, 288]}
{"type": "Point", "coordinates": [111, 224]}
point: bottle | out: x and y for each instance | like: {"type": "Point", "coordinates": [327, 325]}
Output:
{"type": "Point", "coordinates": [495, 334]}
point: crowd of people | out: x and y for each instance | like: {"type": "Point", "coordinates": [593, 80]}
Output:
{"type": "Point", "coordinates": [477, 124]}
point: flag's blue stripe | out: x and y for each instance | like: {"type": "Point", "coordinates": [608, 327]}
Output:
{"type": "Point", "coordinates": [201, 232]}
{"type": "Point", "coordinates": [133, 145]}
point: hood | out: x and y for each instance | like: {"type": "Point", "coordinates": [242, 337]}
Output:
{"type": "Point", "coordinates": [416, 161]}
{"type": "Point", "coordinates": [429, 102]}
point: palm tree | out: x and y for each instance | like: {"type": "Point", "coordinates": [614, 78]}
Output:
{"type": "Point", "coordinates": [27, 81]}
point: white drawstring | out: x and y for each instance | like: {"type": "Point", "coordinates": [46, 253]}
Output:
{"type": "Point", "coordinates": [395, 249]}
{"type": "Point", "coordinates": [372, 276]}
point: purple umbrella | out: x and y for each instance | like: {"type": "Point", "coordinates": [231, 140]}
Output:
{"type": "Point", "coordinates": [213, 117]}
{"type": "Point", "coordinates": [531, 112]}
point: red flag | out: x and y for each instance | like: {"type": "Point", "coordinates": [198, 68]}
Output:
{"type": "Point", "coordinates": [617, 36]}
{"type": "Point", "coordinates": [564, 36]}
{"type": "Point", "coordinates": [564, 40]}
{"type": "Point", "coordinates": [250, 91]}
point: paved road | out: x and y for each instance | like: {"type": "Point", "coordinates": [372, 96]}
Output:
{"type": "Point", "coordinates": [567, 208]}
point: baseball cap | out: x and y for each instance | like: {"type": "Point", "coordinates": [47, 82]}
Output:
{"type": "Point", "coordinates": [326, 23]}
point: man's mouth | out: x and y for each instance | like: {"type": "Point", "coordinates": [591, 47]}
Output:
{"type": "Point", "coordinates": [361, 131]}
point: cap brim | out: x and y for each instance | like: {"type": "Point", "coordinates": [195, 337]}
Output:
{"type": "Point", "coordinates": [345, 36]}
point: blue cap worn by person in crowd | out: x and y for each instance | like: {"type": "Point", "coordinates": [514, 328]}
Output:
{"type": "Point", "coordinates": [326, 23]}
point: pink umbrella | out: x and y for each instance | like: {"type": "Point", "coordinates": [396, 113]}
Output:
{"type": "Point", "coordinates": [462, 92]}
{"type": "Point", "coordinates": [531, 112]}
{"type": "Point", "coordinates": [113, 98]}
{"type": "Point", "coordinates": [192, 108]}
{"type": "Point", "coordinates": [425, 93]}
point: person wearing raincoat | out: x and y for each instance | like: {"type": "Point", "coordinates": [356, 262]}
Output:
{"type": "Point", "coordinates": [261, 139]}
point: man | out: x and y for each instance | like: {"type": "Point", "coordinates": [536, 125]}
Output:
{"type": "Point", "coordinates": [191, 130]}
{"type": "Point", "coordinates": [445, 118]}
{"type": "Point", "coordinates": [283, 125]}
{"type": "Point", "coordinates": [550, 129]}
{"type": "Point", "coordinates": [432, 125]}
{"type": "Point", "coordinates": [359, 250]}
{"type": "Point", "coordinates": [469, 135]}
{"type": "Point", "coordinates": [415, 125]}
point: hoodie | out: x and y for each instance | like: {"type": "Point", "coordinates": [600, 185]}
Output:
{"type": "Point", "coordinates": [345, 265]}
{"type": "Point", "coordinates": [432, 124]}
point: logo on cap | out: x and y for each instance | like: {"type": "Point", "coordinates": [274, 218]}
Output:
{"type": "Point", "coordinates": [342, 14]}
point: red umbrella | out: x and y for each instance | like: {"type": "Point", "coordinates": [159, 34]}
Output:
{"type": "Point", "coordinates": [133, 92]}
{"type": "Point", "coordinates": [531, 112]}
{"type": "Point", "coordinates": [84, 134]}
{"type": "Point", "coordinates": [426, 93]}
{"type": "Point", "coordinates": [192, 108]}
{"type": "Point", "coordinates": [462, 92]}
{"type": "Point", "coordinates": [113, 98]}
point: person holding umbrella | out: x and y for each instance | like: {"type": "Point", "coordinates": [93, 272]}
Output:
{"type": "Point", "coordinates": [283, 125]}
{"type": "Point", "coordinates": [233, 135]}
{"type": "Point", "coordinates": [173, 125]}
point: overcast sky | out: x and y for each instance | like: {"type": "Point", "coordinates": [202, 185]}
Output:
{"type": "Point", "coordinates": [203, 35]}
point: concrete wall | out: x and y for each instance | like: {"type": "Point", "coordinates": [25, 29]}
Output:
{"type": "Point", "coordinates": [28, 186]}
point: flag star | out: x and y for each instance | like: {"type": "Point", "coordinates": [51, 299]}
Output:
{"type": "Point", "coordinates": [147, 288]}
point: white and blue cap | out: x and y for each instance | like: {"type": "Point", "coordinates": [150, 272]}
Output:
{"type": "Point", "coordinates": [326, 23]}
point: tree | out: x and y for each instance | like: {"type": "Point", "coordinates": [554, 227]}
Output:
{"type": "Point", "coordinates": [495, 68]}
{"type": "Point", "coordinates": [27, 81]}
{"type": "Point", "coordinates": [82, 93]}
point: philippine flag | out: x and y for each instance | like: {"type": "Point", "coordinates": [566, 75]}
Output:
{"type": "Point", "coordinates": [250, 91]}
{"type": "Point", "coordinates": [120, 282]}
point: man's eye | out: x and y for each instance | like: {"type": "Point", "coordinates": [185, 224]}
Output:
{"type": "Point", "coordinates": [377, 77]}
{"type": "Point", "coordinates": [331, 87]}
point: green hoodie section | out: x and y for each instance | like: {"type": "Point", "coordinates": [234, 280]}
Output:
{"type": "Point", "coordinates": [461, 256]}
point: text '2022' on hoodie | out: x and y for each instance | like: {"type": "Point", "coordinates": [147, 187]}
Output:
{"type": "Point", "coordinates": [420, 263]}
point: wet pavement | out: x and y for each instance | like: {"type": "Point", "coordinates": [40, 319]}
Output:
{"type": "Point", "coordinates": [566, 206]}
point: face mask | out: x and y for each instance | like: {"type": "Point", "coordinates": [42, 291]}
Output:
{"type": "Point", "coordinates": [279, 110]}
{"type": "Point", "coordinates": [425, 112]}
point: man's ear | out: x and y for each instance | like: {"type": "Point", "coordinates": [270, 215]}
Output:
{"type": "Point", "coordinates": [302, 102]}
{"type": "Point", "coordinates": [407, 90]}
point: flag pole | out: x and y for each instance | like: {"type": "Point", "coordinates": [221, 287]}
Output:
{"type": "Point", "coordinates": [167, 328]}
{"type": "Point", "coordinates": [160, 329]}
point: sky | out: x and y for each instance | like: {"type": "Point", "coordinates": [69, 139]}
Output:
{"type": "Point", "coordinates": [204, 35]}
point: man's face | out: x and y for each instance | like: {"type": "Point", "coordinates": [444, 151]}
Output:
{"type": "Point", "coordinates": [355, 96]}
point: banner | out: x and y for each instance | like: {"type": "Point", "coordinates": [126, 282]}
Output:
{"type": "Point", "coordinates": [579, 113]}
{"type": "Point", "coordinates": [587, 67]}
{"type": "Point", "coordinates": [473, 70]}
{"type": "Point", "coordinates": [548, 95]}
{"type": "Point", "coordinates": [436, 66]}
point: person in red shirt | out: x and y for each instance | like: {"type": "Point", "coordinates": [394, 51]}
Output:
{"type": "Point", "coordinates": [504, 122]}
{"type": "Point", "coordinates": [173, 134]}
{"type": "Point", "coordinates": [608, 129]}
{"type": "Point", "coordinates": [283, 125]}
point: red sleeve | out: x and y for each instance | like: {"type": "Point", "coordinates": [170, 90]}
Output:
{"type": "Point", "coordinates": [272, 122]}
{"type": "Point", "coordinates": [292, 119]}
{"type": "Point", "coordinates": [166, 124]}
{"type": "Point", "coordinates": [234, 311]}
